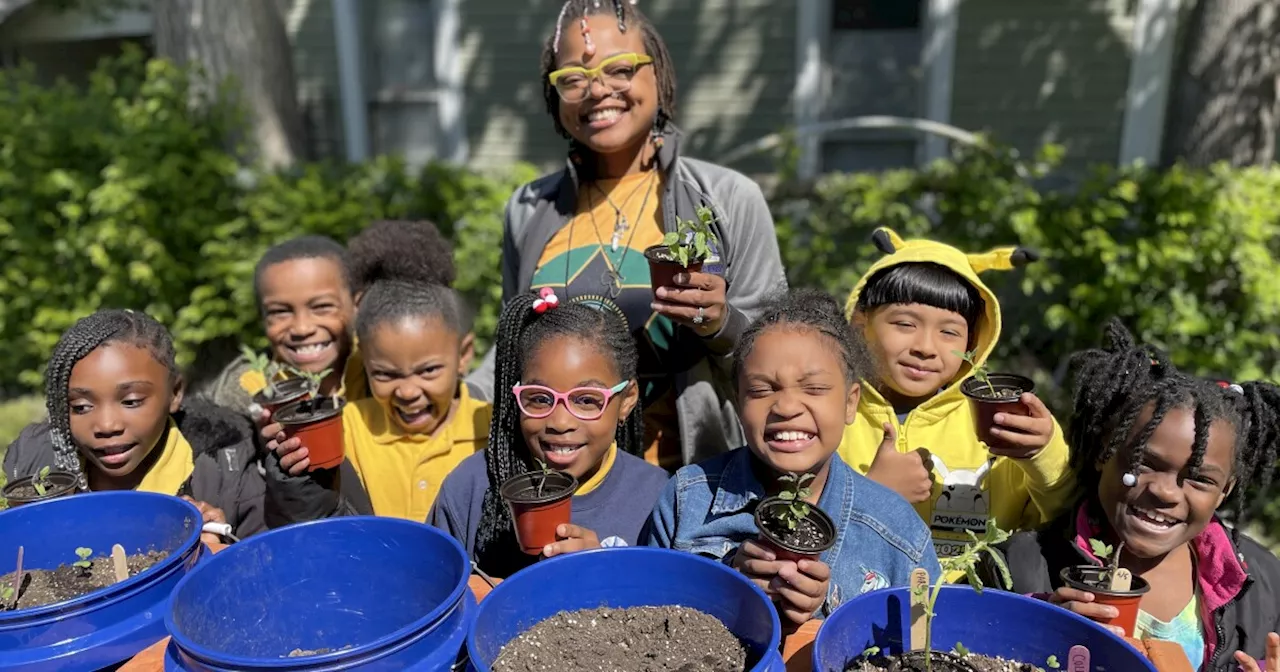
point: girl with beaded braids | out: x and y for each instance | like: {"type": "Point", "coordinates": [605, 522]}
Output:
{"type": "Point", "coordinates": [117, 417]}
{"type": "Point", "coordinates": [609, 86]}
{"type": "Point", "coordinates": [1157, 452]}
{"type": "Point", "coordinates": [567, 373]}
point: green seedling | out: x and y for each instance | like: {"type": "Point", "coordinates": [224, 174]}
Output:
{"type": "Point", "coordinates": [84, 563]}
{"type": "Point", "coordinates": [41, 481]}
{"type": "Point", "coordinates": [980, 372]}
{"type": "Point", "coordinates": [263, 364]}
{"type": "Point", "coordinates": [1109, 554]}
{"type": "Point", "coordinates": [870, 652]}
{"type": "Point", "coordinates": [960, 650]}
{"type": "Point", "coordinates": [1052, 663]}
{"type": "Point", "coordinates": [544, 472]}
{"type": "Point", "coordinates": [6, 594]}
{"type": "Point", "coordinates": [313, 379]}
{"type": "Point", "coordinates": [966, 562]}
{"type": "Point", "coordinates": [692, 239]}
{"type": "Point", "coordinates": [795, 490]}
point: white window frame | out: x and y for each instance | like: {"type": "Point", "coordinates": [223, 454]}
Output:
{"type": "Point", "coordinates": [1155, 29]}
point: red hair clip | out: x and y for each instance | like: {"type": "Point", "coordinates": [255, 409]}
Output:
{"type": "Point", "coordinates": [546, 300]}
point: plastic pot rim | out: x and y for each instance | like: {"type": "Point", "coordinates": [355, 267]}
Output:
{"type": "Point", "coordinates": [388, 641]}
{"type": "Point", "coordinates": [286, 396]}
{"type": "Point", "coordinates": [967, 388]}
{"type": "Point", "coordinates": [814, 513]}
{"type": "Point", "coordinates": [661, 254]}
{"type": "Point", "coordinates": [570, 487]}
{"type": "Point", "coordinates": [1139, 587]}
{"type": "Point", "coordinates": [282, 415]}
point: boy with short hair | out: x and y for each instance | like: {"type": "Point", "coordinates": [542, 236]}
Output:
{"type": "Point", "coordinates": [921, 309]}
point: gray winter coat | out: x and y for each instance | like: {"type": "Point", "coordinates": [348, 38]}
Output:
{"type": "Point", "coordinates": [750, 264]}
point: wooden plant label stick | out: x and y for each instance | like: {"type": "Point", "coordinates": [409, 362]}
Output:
{"type": "Point", "coordinates": [120, 562]}
{"type": "Point", "coordinates": [919, 590]}
{"type": "Point", "coordinates": [1121, 580]}
{"type": "Point", "coordinates": [17, 580]}
{"type": "Point", "coordinates": [1078, 659]}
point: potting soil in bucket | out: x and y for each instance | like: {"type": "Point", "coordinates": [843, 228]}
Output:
{"type": "Point", "coordinates": [107, 625]}
{"type": "Point", "coordinates": [612, 582]}
{"type": "Point", "coordinates": [351, 593]}
{"type": "Point", "coordinates": [993, 623]}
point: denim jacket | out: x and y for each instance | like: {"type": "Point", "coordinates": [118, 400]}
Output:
{"type": "Point", "coordinates": [708, 509]}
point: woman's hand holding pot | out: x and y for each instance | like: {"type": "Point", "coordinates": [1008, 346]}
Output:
{"type": "Point", "coordinates": [294, 458]}
{"type": "Point", "coordinates": [698, 300]}
{"type": "Point", "coordinates": [574, 538]}
{"type": "Point", "coordinates": [1082, 603]}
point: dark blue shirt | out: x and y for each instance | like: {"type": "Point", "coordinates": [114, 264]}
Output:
{"type": "Point", "coordinates": [708, 509]}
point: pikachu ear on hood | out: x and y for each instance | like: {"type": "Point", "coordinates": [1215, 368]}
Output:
{"type": "Point", "coordinates": [887, 241]}
{"type": "Point", "coordinates": [1002, 259]}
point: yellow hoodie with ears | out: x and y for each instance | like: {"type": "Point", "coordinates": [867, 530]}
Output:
{"type": "Point", "coordinates": [970, 484]}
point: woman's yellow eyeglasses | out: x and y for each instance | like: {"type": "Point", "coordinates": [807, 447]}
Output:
{"type": "Point", "coordinates": [574, 83]}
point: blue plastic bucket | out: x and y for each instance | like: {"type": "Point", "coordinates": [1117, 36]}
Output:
{"type": "Point", "coordinates": [994, 623]}
{"type": "Point", "coordinates": [626, 577]}
{"type": "Point", "coordinates": [393, 590]}
{"type": "Point", "coordinates": [113, 624]}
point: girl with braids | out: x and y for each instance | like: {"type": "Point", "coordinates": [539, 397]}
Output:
{"type": "Point", "coordinates": [568, 375]}
{"type": "Point", "coordinates": [609, 86]}
{"type": "Point", "coordinates": [418, 424]}
{"type": "Point", "coordinates": [1157, 452]}
{"type": "Point", "coordinates": [798, 370]}
{"type": "Point", "coordinates": [117, 418]}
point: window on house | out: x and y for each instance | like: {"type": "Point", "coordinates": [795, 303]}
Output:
{"type": "Point", "coordinates": [402, 78]}
{"type": "Point", "coordinates": [873, 68]}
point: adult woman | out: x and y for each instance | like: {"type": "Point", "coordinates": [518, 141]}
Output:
{"type": "Point", "coordinates": [610, 88]}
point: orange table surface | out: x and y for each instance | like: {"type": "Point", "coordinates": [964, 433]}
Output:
{"type": "Point", "coordinates": [797, 647]}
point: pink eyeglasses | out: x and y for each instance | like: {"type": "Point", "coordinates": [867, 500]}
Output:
{"type": "Point", "coordinates": [585, 403]}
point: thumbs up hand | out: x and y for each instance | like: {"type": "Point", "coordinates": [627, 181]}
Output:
{"type": "Point", "coordinates": [908, 474]}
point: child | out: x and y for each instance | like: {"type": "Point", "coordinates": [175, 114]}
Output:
{"type": "Point", "coordinates": [1157, 453]}
{"type": "Point", "coordinates": [576, 410]}
{"type": "Point", "coordinates": [304, 292]}
{"type": "Point", "coordinates": [418, 425]}
{"type": "Point", "coordinates": [797, 370]}
{"type": "Point", "coordinates": [922, 308]}
{"type": "Point", "coordinates": [117, 418]}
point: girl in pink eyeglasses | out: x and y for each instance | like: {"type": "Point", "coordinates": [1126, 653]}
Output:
{"type": "Point", "coordinates": [568, 397]}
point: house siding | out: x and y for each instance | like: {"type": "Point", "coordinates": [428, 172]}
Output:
{"type": "Point", "coordinates": [1036, 72]}
{"type": "Point", "coordinates": [735, 68]}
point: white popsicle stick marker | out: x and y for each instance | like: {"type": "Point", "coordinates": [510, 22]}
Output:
{"type": "Point", "coordinates": [119, 562]}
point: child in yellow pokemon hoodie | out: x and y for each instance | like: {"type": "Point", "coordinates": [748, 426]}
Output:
{"type": "Point", "coordinates": [922, 307]}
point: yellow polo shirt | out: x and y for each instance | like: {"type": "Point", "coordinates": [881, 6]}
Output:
{"type": "Point", "coordinates": [401, 472]}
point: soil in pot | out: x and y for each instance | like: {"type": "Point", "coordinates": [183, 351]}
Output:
{"type": "Point", "coordinates": [813, 534]}
{"type": "Point", "coordinates": [286, 392]}
{"type": "Point", "coordinates": [663, 266]}
{"type": "Point", "coordinates": [539, 503]}
{"type": "Point", "coordinates": [1091, 578]}
{"type": "Point", "coordinates": [41, 587]}
{"type": "Point", "coordinates": [318, 424]}
{"type": "Point", "coordinates": [21, 491]}
{"type": "Point", "coordinates": [1008, 388]}
{"type": "Point", "coordinates": [648, 639]}
{"type": "Point", "coordinates": [942, 662]}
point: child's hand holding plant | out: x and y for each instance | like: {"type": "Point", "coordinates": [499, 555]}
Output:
{"type": "Point", "coordinates": [293, 457]}
{"type": "Point", "coordinates": [799, 588]}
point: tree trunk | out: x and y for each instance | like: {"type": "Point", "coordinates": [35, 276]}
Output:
{"type": "Point", "coordinates": [1225, 105]}
{"type": "Point", "coordinates": [244, 40]}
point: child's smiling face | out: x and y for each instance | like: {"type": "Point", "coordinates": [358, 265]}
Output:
{"type": "Point", "coordinates": [564, 441]}
{"type": "Point", "coordinates": [794, 398]}
{"type": "Point", "coordinates": [1167, 507]}
{"type": "Point", "coordinates": [915, 347]}
{"type": "Point", "coordinates": [413, 366]}
{"type": "Point", "coordinates": [307, 311]}
{"type": "Point", "coordinates": [120, 399]}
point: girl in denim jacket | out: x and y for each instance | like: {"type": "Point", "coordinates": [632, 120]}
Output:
{"type": "Point", "coordinates": [797, 370]}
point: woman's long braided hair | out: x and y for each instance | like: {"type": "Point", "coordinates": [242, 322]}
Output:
{"type": "Point", "coordinates": [85, 336]}
{"type": "Point", "coordinates": [521, 331]}
{"type": "Point", "coordinates": [628, 17]}
{"type": "Point", "coordinates": [1114, 384]}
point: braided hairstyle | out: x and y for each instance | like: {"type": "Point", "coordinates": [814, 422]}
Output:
{"type": "Point", "coordinates": [521, 331]}
{"type": "Point", "coordinates": [1116, 383]}
{"type": "Point", "coordinates": [400, 250]}
{"type": "Point", "coordinates": [628, 16]}
{"type": "Point", "coordinates": [303, 247]}
{"type": "Point", "coordinates": [393, 300]}
{"type": "Point", "coordinates": [85, 336]}
{"type": "Point", "coordinates": [813, 310]}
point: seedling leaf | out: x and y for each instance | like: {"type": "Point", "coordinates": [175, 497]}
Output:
{"type": "Point", "coordinates": [41, 482]}
{"type": "Point", "coordinates": [960, 650]}
{"type": "Point", "coordinates": [84, 563]}
{"type": "Point", "coordinates": [1052, 663]}
{"type": "Point", "coordinates": [1101, 549]}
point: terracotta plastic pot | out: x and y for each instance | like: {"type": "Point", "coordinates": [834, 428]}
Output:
{"type": "Point", "coordinates": [663, 267]}
{"type": "Point", "coordinates": [318, 424]}
{"type": "Point", "coordinates": [1084, 577]}
{"type": "Point", "coordinates": [786, 551]}
{"type": "Point", "coordinates": [985, 407]}
{"type": "Point", "coordinates": [287, 392]}
{"type": "Point", "coordinates": [58, 484]}
{"type": "Point", "coordinates": [537, 515]}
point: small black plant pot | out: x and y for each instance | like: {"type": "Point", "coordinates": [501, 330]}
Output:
{"type": "Point", "coordinates": [815, 533]}
{"type": "Point", "coordinates": [21, 491]}
{"type": "Point", "coordinates": [537, 512]}
{"type": "Point", "coordinates": [1009, 387]}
